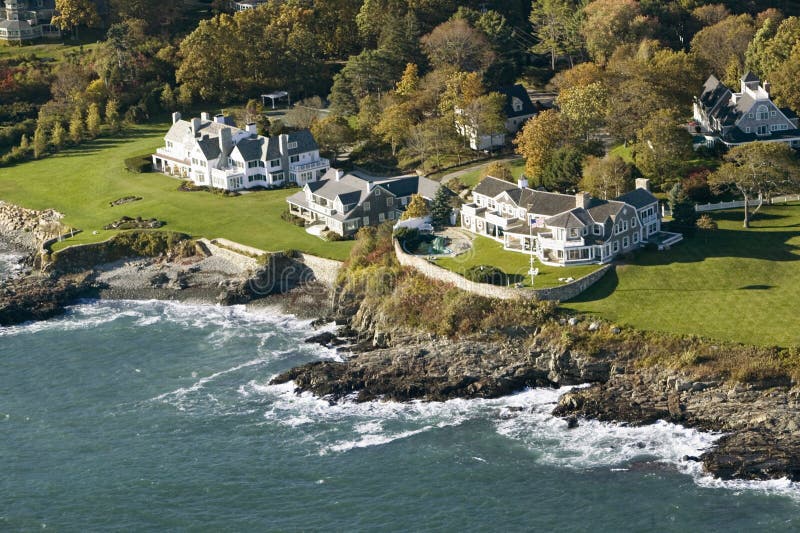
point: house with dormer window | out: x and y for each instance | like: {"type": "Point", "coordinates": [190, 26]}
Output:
{"type": "Point", "coordinates": [344, 202]}
{"type": "Point", "coordinates": [563, 229]}
{"type": "Point", "coordinates": [517, 109]}
{"type": "Point", "coordinates": [212, 152]}
{"type": "Point", "coordinates": [750, 115]}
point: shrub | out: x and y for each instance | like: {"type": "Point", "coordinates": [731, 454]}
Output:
{"type": "Point", "coordinates": [409, 238]}
{"type": "Point", "coordinates": [292, 219]}
{"type": "Point", "coordinates": [332, 236]}
{"type": "Point", "coordinates": [139, 164]}
{"type": "Point", "coordinates": [486, 274]}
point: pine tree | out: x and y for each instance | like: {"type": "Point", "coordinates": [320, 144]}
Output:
{"type": "Point", "coordinates": [76, 126]}
{"type": "Point", "coordinates": [441, 209]}
{"type": "Point", "coordinates": [684, 216]}
{"type": "Point", "coordinates": [58, 136]}
{"type": "Point", "coordinates": [93, 121]}
{"type": "Point", "coordinates": [39, 141]}
{"type": "Point", "coordinates": [112, 115]}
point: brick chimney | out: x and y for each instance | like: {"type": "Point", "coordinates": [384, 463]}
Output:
{"type": "Point", "coordinates": [582, 199]}
{"type": "Point", "coordinates": [643, 183]}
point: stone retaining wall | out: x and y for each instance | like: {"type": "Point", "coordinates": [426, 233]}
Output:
{"type": "Point", "coordinates": [561, 293]}
{"type": "Point", "coordinates": [244, 262]}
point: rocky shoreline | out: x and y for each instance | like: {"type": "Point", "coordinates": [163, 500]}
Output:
{"type": "Point", "coordinates": [760, 421]}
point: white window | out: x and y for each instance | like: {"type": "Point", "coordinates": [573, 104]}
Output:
{"type": "Point", "coordinates": [381, 218]}
{"type": "Point", "coordinates": [747, 129]}
{"type": "Point", "coordinates": [294, 159]}
{"type": "Point", "coordinates": [377, 192]}
{"type": "Point", "coordinates": [391, 215]}
{"type": "Point", "coordinates": [365, 221]}
{"type": "Point", "coordinates": [616, 246]}
{"type": "Point", "coordinates": [624, 225]}
{"type": "Point", "coordinates": [292, 145]}
{"type": "Point", "coordinates": [275, 163]}
{"type": "Point", "coordinates": [763, 113]}
{"type": "Point", "coordinates": [762, 130]}
{"type": "Point", "coordinates": [625, 242]}
{"type": "Point", "coordinates": [635, 237]}
{"type": "Point", "coordinates": [596, 229]}
{"type": "Point", "coordinates": [366, 206]}
{"type": "Point", "coordinates": [389, 201]}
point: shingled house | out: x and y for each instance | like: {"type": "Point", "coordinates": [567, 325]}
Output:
{"type": "Point", "coordinates": [747, 116]}
{"type": "Point", "coordinates": [345, 202]}
{"type": "Point", "coordinates": [27, 20]}
{"type": "Point", "coordinates": [211, 151]}
{"type": "Point", "coordinates": [562, 229]}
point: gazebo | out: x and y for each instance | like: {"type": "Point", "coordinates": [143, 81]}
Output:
{"type": "Point", "coordinates": [277, 95]}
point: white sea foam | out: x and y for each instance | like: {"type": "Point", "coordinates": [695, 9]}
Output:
{"type": "Point", "coordinates": [524, 417]}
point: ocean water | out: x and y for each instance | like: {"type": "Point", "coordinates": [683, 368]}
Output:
{"type": "Point", "coordinates": [158, 416]}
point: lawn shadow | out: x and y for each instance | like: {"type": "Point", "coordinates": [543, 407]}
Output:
{"type": "Point", "coordinates": [602, 289]}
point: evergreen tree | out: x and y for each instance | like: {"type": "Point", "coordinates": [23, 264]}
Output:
{"type": "Point", "coordinates": [684, 216]}
{"type": "Point", "coordinates": [76, 129]}
{"type": "Point", "coordinates": [440, 208]}
{"type": "Point", "coordinates": [93, 121]}
{"type": "Point", "coordinates": [24, 143]}
{"type": "Point", "coordinates": [39, 141]}
{"type": "Point", "coordinates": [58, 136]}
{"type": "Point", "coordinates": [168, 97]}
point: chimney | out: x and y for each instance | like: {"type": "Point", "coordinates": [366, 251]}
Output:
{"type": "Point", "coordinates": [251, 128]}
{"type": "Point", "coordinates": [205, 116]}
{"type": "Point", "coordinates": [522, 183]}
{"type": "Point", "coordinates": [219, 119]}
{"type": "Point", "coordinates": [195, 126]}
{"type": "Point", "coordinates": [643, 183]}
{"type": "Point", "coordinates": [582, 199]}
{"type": "Point", "coordinates": [767, 87]}
{"type": "Point", "coordinates": [339, 174]}
{"type": "Point", "coordinates": [283, 144]}
{"type": "Point", "coordinates": [176, 116]}
{"type": "Point", "coordinates": [225, 141]}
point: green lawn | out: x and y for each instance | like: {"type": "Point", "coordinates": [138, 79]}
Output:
{"type": "Point", "coordinates": [52, 50]}
{"type": "Point", "coordinates": [730, 284]}
{"type": "Point", "coordinates": [471, 179]}
{"type": "Point", "coordinates": [485, 251]}
{"type": "Point", "coordinates": [81, 182]}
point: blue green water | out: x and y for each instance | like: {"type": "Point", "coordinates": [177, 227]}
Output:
{"type": "Point", "coordinates": [158, 416]}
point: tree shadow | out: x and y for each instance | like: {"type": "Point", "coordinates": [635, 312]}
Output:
{"type": "Point", "coordinates": [602, 289]}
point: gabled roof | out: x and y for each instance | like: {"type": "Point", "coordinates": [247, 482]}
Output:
{"type": "Point", "coordinates": [491, 186]}
{"type": "Point", "coordinates": [518, 91]}
{"type": "Point", "coordinates": [209, 147]}
{"type": "Point", "coordinates": [253, 148]}
{"type": "Point", "coordinates": [602, 210]}
{"type": "Point", "coordinates": [305, 142]}
{"type": "Point", "coordinates": [750, 77]}
{"type": "Point", "coordinates": [570, 219]}
{"type": "Point", "coordinates": [638, 198]}
{"type": "Point", "coordinates": [546, 203]}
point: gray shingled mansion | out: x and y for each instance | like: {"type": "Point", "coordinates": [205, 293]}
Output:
{"type": "Point", "coordinates": [737, 118]}
{"type": "Point", "coordinates": [562, 229]}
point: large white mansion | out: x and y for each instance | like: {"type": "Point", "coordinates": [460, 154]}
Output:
{"type": "Point", "coordinates": [212, 152]}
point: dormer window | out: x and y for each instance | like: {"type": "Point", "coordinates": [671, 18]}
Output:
{"type": "Point", "coordinates": [763, 112]}
{"type": "Point", "coordinates": [292, 145]}
{"type": "Point", "coordinates": [516, 104]}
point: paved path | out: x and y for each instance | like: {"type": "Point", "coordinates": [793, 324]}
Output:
{"type": "Point", "coordinates": [457, 173]}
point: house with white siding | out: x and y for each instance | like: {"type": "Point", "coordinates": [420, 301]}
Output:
{"type": "Point", "coordinates": [563, 229]}
{"type": "Point", "coordinates": [27, 20]}
{"type": "Point", "coordinates": [212, 152]}
{"type": "Point", "coordinates": [344, 202]}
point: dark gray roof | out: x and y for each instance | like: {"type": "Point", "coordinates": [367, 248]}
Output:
{"type": "Point", "coordinates": [750, 77]}
{"type": "Point", "coordinates": [570, 219]}
{"type": "Point", "coordinates": [305, 142]}
{"type": "Point", "coordinates": [253, 148]}
{"type": "Point", "coordinates": [546, 203]}
{"type": "Point", "coordinates": [491, 186]}
{"type": "Point", "coordinates": [602, 210]}
{"type": "Point", "coordinates": [638, 198]}
{"type": "Point", "coordinates": [209, 147]}
{"type": "Point", "coordinates": [518, 91]}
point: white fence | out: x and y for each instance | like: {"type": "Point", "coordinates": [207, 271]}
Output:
{"type": "Point", "coordinates": [701, 208]}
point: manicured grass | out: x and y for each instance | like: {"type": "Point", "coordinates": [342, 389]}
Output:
{"type": "Point", "coordinates": [729, 284]}
{"type": "Point", "coordinates": [485, 251]}
{"type": "Point", "coordinates": [51, 50]}
{"type": "Point", "coordinates": [471, 179]}
{"type": "Point", "coordinates": [81, 182]}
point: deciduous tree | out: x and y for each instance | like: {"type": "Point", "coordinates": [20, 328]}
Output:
{"type": "Point", "coordinates": [585, 106]}
{"type": "Point", "coordinates": [333, 133]}
{"type": "Point", "coordinates": [39, 141]}
{"type": "Point", "coordinates": [606, 177]}
{"type": "Point", "coordinates": [556, 24]}
{"type": "Point", "coordinates": [758, 170]}
{"type": "Point", "coordinates": [417, 208]}
{"type": "Point", "coordinates": [73, 13]}
{"type": "Point", "coordinates": [93, 120]}
{"type": "Point", "coordinates": [539, 138]}
{"type": "Point", "coordinates": [664, 147]}
{"type": "Point", "coordinates": [456, 44]}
